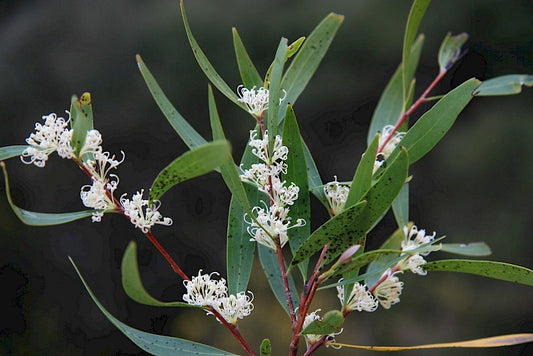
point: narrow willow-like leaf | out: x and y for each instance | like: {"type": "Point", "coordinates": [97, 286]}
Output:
{"type": "Point", "coordinates": [400, 206]}
{"type": "Point", "coordinates": [274, 93]}
{"type": "Point", "coordinates": [292, 49]}
{"type": "Point", "coordinates": [330, 323]}
{"type": "Point", "coordinates": [206, 66]}
{"type": "Point", "coordinates": [158, 345]}
{"type": "Point", "coordinates": [187, 133]}
{"type": "Point", "coordinates": [309, 57]}
{"type": "Point", "coordinates": [315, 182]}
{"type": "Point", "coordinates": [495, 341]}
{"type": "Point", "coordinates": [11, 151]}
{"type": "Point", "coordinates": [132, 284]}
{"type": "Point", "coordinates": [270, 264]}
{"type": "Point", "coordinates": [249, 74]}
{"type": "Point", "coordinates": [339, 231]}
{"type": "Point", "coordinates": [394, 242]}
{"type": "Point", "coordinates": [362, 178]}
{"type": "Point", "coordinates": [469, 249]}
{"type": "Point", "coordinates": [301, 208]}
{"type": "Point", "coordinates": [193, 163]}
{"type": "Point", "coordinates": [81, 121]}
{"type": "Point", "coordinates": [491, 269]}
{"type": "Point", "coordinates": [434, 124]}
{"type": "Point", "coordinates": [450, 50]}
{"type": "Point", "coordinates": [418, 9]}
{"type": "Point", "coordinates": [504, 85]}
{"type": "Point", "coordinates": [390, 106]}
{"type": "Point", "coordinates": [266, 348]}
{"type": "Point", "coordinates": [228, 169]}
{"type": "Point", "coordinates": [41, 219]}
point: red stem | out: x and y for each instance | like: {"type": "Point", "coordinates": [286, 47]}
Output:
{"type": "Point", "coordinates": [413, 107]}
{"type": "Point", "coordinates": [305, 302]}
{"type": "Point", "coordinates": [232, 328]}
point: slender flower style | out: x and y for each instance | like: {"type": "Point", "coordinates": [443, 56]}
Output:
{"type": "Point", "coordinates": [271, 221]}
{"type": "Point", "coordinates": [49, 137]}
{"type": "Point", "coordinates": [336, 195]}
{"type": "Point", "coordinates": [95, 196]}
{"type": "Point", "coordinates": [389, 290]}
{"type": "Point", "coordinates": [360, 299]}
{"type": "Point", "coordinates": [142, 213]}
{"type": "Point", "coordinates": [389, 147]}
{"type": "Point", "coordinates": [204, 291]}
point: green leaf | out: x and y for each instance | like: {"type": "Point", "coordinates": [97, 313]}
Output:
{"type": "Point", "coordinates": [81, 121]}
{"type": "Point", "coordinates": [187, 133]}
{"type": "Point", "coordinates": [400, 206]}
{"type": "Point", "coordinates": [491, 269]}
{"type": "Point", "coordinates": [390, 106]}
{"type": "Point", "coordinates": [266, 348]}
{"type": "Point", "coordinates": [309, 57]}
{"type": "Point", "coordinates": [274, 93]}
{"type": "Point", "coordinates": [331, 323]}
{"type": "Point", "coordinates": [154, 344]}
{"type": "Point", "coordinates": [381, 195]}
{"type": "Point", "coordinates": [495, 341]}
{"type": "Point", "coordinates": [316, 187]}
{"type": "Point", "coordinates": [11, 151]}
{"type": "Point", "coordinates": [228, 169]}
{"type": "Point", "coordinates": [294, 47]}
{"type": "Point", "coordinates": [301, 208]}
{"type": "Point", "coordinates": [504, 85]}
{"type": "Point", "coordinates": [362, 179]}
{"type": "Point", "coordinates": [450, 50]}
{"type": "Point", "coordinates": [394, 242]}
{"type": "Point", "coordinates": [249, 74]}
{"type": "Point", "coordinates": [270, 264]}
{"type": "Point", "coordinates": [469, 249]}
{"type": "Point", "coordinates": [193, 163]}
{"type": "Point", "coordinates": [41, 219]}
{"type": "Point", "coordinates": [206, 66]}
{"type": "Point", "coordinates": [434, 124]}
{"type": "Point", "coordinates": [133, 286]}
{"type": "Point", "coordinates": [239, 249]}
{"type": "Point", "coordinates": [339, 231]}
{"type": "Point", "coordinates": [418, 9]}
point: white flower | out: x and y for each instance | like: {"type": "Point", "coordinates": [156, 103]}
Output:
{"type": "Point", "coordinates": [256, 100]}
{"type": "Point", "coordinates": [96, 196]}
{"type": "Point", "coordinates": [415, 238]}
{"type": "Point", "coordinates": [204, 291]}
{"type": "Point", "coordinates": [143, 214]}
{"type": "Point", "coordinates": [236, 307]}
{"type": "Point", "coordinates": [99, 163]}
{"type": "Point", "coordinates": [336, 194]}
{"type": "Point", "coordinates": [360, 299]}
{"type": "Point", "coordinates": [51, 136]}
{"type": "Point", "coordinates": [207, 292]}
{"type": "Point", "coordinates": [414, 264]}
{"type": "Point", "coordinates": [389, 147]}
{"type": "Point", "coordinates": [388, 292]}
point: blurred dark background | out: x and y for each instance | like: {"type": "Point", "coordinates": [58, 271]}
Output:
{"type": "Point", "coordinates": [475, 186]}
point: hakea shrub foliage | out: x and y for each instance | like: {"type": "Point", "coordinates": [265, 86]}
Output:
{"type": "Point", "coordinates": [271, 187]}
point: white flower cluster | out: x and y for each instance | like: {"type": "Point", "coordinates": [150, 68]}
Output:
{"type": "Point", "coordinates": [336, 195]}
{"type": "Point", "coordinates": [272, 222]}
{"type": "Point", "coordinates": [415, 238]}
{"type": "Point", "coordinates": [389, 290]}
{"type": "Point", "coordinates": [314, 338]}
{"type": "Point", "coordinates": [255, 100]}
{"type": "Point", "coordinates": [389, 147]}
{"type": "Point", "coordinates": [142, 213]}
{"type": "Point", "coordinates": [360, 299]}
{"type": "Point", "coordinates": [49, 137]}
{"type": "Point", "coordinates": [207, 292]}
{"type": "Point", "coordinates": [54, 135]}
